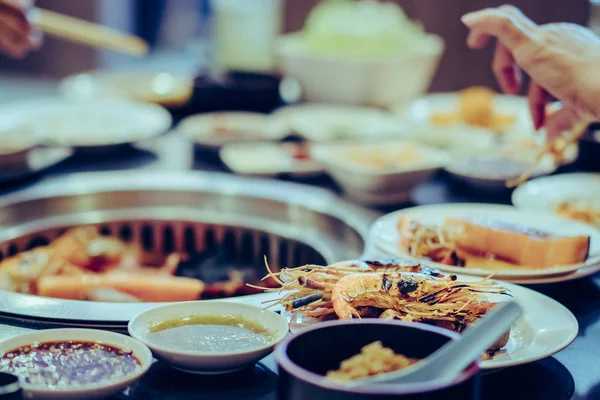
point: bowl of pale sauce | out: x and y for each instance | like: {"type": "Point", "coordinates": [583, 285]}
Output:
{"type": "Point", "coordinates": [209, 337]}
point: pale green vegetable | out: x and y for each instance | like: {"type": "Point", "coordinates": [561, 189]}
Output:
{"type": "Point", "coordinates": [364, 28]}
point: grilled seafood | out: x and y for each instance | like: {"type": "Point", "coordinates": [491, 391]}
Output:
{"type": "Point", "coordinates": [357, 288]}
{"type": "Point", "coordinates": [410, 294]}
{"type": "Point", "coordinates": [389, 289]}
{"type": "Point", "coordinates": [437, 243]}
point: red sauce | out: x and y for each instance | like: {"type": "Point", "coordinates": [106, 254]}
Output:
{"type": "Point", "coordinates": [68, 363]}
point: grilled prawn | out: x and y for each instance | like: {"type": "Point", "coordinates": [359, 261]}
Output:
{"type": "Point", "coordinates": [413, 294]}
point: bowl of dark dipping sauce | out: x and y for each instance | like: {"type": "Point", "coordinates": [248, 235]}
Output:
{"type": "Point", "coordinates": [209, 337]}
{"type": "Point", "coordinates": [311, 361]}
{"type": "Point", "coordinates": [74, 363]}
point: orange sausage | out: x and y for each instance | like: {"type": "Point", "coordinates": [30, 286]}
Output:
{"type": "Point", "coordinates": [150, 288]}
{"type": "Point", "coordinates": [522, 246]}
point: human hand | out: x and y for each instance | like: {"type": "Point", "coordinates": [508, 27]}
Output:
{"type": "Point", "coordinates": [561, 59]}
{"type": "Point", "coordinates": [17, 35]}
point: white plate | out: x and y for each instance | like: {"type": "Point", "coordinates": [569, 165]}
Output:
{"type": "Point", "coordinates": [546, 193]}
{"type": "Point", "coordinates": [90, 123]}
{"type": "Point", "coordinates": [89, 391]}
{"type": "Point", "coordinates": [384, 234]}
{"type": "Point", "coordinates": [580, 273]}
{"type": "Point", "coordinates": [325, 122]}
{"type": "Point", "coordinates": [266, 159]}
{"type": "Point", "coordinates": [202, 362]}
{"type": "Point", "coordinates": [253, 127]}
{"type": "Point", "coordinates": [545, 328]}
{"type": "Point", "coordinates": [154, 87]}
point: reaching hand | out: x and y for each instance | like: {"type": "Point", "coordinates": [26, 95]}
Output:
{"type": "Point", "coordinates": [561, 59]}
{"type": "Point", "coordinates": [17, 36]}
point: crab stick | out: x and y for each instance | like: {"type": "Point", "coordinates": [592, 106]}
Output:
{"type": "Point", "coordinates": [149, 288]}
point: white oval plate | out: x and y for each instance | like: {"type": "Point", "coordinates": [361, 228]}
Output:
{"type": "Point", "coordinates": [90, 123]}
{"type": "Point", "coordinates": [384, 234]}
{"type": "Point", "coordinates": [326, 122]}
{"type": "Point", "coordinates": [545, 193]}
{"type": "Point", "coordinates": [154, 87]}
{"type": "Point", "coordinates": [545, 328]}
{"type": "Point", "coordinates": [267, 160]}
{"type": "Point", "coordinates": [200, 128]}
{"type": "Point", "coordinates": [90, 391]}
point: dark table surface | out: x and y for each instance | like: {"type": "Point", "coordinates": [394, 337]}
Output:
{"type": "Point", "coordinates": [574, 373]}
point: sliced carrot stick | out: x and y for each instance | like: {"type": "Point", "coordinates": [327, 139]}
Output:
{"type": "Point", "coordinates": [150, 288]}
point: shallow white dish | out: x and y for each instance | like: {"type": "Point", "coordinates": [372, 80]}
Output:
{"type": "Point", "coordinates": [384, 234]}
{"type": "Point", "coordinates": [545, 193]}
{"type": "Point", "coordinates": [90, 391]}
{"type": "Point", "coordinates": [169, 90]}
{"type": "Point", "coordinates": [204, 129]}
{"type": "Point", "coordinates": [202, 362]}
{"type": "Point", "coordinates": [385, 185]}
{"type": "Point", "coordinates": [328, 122]}
{"type": "Point", "coordinates": [545, 328]}
{"type": "Point", "coordinates": [93, 123]}
{"type": "Point", "coordinates": [267, 160]}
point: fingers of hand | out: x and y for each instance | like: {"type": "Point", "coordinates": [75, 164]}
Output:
{"type": "Point", "coordinates": [510, 30]}
{"type": "Point", "coordinates": [561, 121]}
{"type": "Point", "coordinates": [14, 16]}
{"type": "Point", "coordinates": [506, 70]}
{"type": "Point", "coordinates": [18, 37]}
{"type": "Point", "coordinates": [538, 99]}
{"type": "Point", "coordinates": [9, 46]}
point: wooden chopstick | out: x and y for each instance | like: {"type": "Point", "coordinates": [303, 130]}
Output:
{"type": "Point", "coordinates": [569, 138]}
{"type": "Point", "coordinates": [87, 33]}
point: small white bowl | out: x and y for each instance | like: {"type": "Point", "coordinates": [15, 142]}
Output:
{"type": "Point", "coordinates": [90, 391]}
{"type": "Point", "coordinates": [371, 186]}
{"type": "Point", "coordinates": [383, 82]}
{"type": "Point", "coordinates": [201, 362]}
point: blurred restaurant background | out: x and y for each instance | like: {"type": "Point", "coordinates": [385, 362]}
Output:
{"type": "Point", "coordinates": [177, 30]}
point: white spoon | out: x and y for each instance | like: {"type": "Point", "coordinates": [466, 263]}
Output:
{"type": "Point", "coordinates": [449, 361]}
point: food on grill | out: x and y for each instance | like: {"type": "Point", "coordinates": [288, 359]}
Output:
{"type": "Point", "coordinates": [82, 264]}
